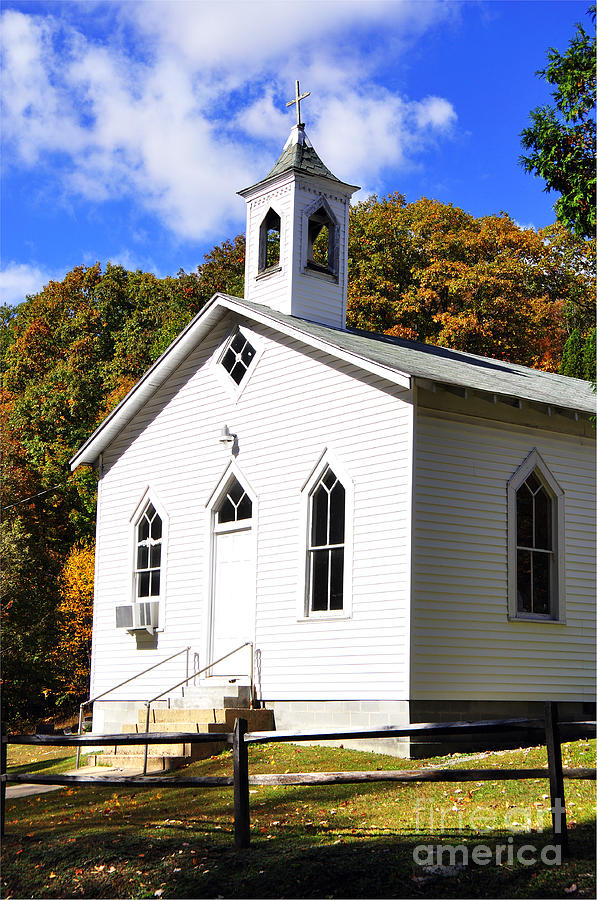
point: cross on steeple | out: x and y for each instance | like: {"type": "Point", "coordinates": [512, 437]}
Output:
{"type": "Point", "coordinates": [297, 100]}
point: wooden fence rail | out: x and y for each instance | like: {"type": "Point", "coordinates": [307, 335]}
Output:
{"type": "Point", "coordinates": [549, 729]}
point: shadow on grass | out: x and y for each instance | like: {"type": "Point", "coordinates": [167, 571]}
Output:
{"type": "Point", "coordinates": [194, 858]}
{"type": "Point", "coordinates": [32, 767]}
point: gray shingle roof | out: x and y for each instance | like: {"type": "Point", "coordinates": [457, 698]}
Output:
{"type": "Point", "coordinates": [301, 158]}
{"type": "Point", "coordinates": [298, 155]}
{"type": "Point", "coordinates": [443, 365]}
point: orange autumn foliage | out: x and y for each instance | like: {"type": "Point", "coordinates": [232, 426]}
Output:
{"type": "Point", "coordinates": [75, 615]}
{"type": "Point", "coordinates": [431, 272]}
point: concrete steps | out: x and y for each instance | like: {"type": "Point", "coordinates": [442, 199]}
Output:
{"type": "Point", "coordinates": [164, 757]}
{"type": "Point", "coordinates": [216, 696]}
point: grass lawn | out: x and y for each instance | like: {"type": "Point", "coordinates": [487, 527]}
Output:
{"type": "Point", "coordinates": [306, 841]}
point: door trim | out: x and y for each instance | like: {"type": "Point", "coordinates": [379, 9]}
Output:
{"type": "Point", "coordinates": [208, 619]}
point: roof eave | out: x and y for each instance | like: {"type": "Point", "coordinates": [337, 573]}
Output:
{"type": "Point", "coordinates": [505, 396]}
{"type": "Point", "coordinates": [155, 376]}
{"type": "Point", "coordinates": [296, 171]}
{"type": "Point", "coordinates": [184, 344]}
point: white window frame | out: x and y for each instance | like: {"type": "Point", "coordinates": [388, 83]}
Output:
{"type": "Point", "coordinates": [327, 460]}
{"type": "Point", "coordinates": [149, 496]}
{"type": "Point", "coordinates": [535, 463]}
{"type": "Point", "coordinates": [233, 389]}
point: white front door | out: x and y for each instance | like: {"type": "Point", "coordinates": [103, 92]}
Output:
{"type": "Point", "coordinates": [233, 592]}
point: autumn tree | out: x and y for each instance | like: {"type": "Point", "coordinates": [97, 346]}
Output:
{"type": "Point", "coordinates": [561, 138]}
{"type": "Point", "coordinates": [431, 272]}
{"type": "Point", "coordinates": [72, 653]}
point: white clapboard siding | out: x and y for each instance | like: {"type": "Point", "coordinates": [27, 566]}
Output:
{"type": "Point", "coordinates": [463, 646]}
{"type": "Point", "coordinates": [296, 403]}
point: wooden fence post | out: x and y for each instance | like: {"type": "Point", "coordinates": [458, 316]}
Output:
{"type": "Point", "coordinates": [242, 826]}
{"type": "Point", "coordinates": [556, 777]}
{"type": "Point", "coordinates": [3, 748]}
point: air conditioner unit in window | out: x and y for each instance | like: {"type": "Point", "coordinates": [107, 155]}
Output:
{"type": "Point", "coordinates": [137, 616]}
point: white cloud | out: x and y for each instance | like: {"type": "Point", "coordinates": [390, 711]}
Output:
{"type": "Point", "coordinates": [436, 112]}
{"type": "Point", "coordinates": [186, 106]}
{"type": "Point", "coordinates": [19, 279]}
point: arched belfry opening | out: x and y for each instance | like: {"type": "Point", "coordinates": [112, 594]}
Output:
{"type": "Point", "coordinates": [321, 241]}
{"type": "Point", "coordinates": [269, 241]}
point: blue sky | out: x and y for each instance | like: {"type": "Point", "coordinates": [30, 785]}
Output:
{"type": "Point", "coordinates": [129, 126]}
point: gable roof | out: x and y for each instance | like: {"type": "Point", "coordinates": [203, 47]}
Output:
{"type": "Point", "coordinates": [447, 366]}
{"type": "Point", "coordinates": [397, 360]}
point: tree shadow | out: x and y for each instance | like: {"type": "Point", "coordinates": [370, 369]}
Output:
{"type": "Point", "coordinates": [39, 766]}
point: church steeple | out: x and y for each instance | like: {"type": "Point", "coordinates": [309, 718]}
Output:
{"type": "Point", "coordinates": [297, 234]}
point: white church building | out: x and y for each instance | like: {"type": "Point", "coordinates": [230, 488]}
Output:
{"type": "Point", "coordinates": [403, 532]}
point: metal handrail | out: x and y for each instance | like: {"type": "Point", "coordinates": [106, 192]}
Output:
{"type": "Point", "coordinates": [122, 683]}
{"type": "Point", "coordinates": [188, 678]}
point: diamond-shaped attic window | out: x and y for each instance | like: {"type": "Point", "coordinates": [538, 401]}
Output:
{"type": "Point", "coordinates": [238, 357]}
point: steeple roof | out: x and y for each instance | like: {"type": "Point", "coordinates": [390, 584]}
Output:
{"type": "Point", "coordinates": [298, 155]}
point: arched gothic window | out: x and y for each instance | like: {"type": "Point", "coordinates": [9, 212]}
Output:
{"type": "Point", "coordinates": [534, 547]}
{"type": "Point", "coordinates": [149, 554]}
{"type": "Point", "coordinates": [536, 542]}
{"type": "Point", "coordinates": [327, 514]}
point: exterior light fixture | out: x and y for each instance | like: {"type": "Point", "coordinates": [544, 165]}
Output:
{"type": "Point", "coordinates": [226, 436]}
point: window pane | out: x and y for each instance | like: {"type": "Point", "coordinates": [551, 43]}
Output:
{"type": "Point", "coordinates": [541, 566]}
{"type": "Point", "coordinates": [227, 512]}
{"type": "Point", "coordinates": [229, 360]}
{"type": "Point", "coordinates": [245, 508]}
{"type": "Point", "coordinates": [143, 529]}
{"type": "Point", "coordinates": [524, 517]}
{"type": "Point", "coordinates": [155, 584]}
{"type": "Point", "coordinates": [543, 520]}
{"type": "Point", "coordinates": [319, 562]}
{"type": "Point", "coordinates": [143, 584]}
{"type": "Point", "coordinates": [235, 492]}
{"type": "Point", "coordinates": [329, 479]}
{"type": "Point", "coordinates": [142, 557]}
{"type": "Point", "coordinates": [156, 556]}
{"type": "Point", "coordinates": [337, 578]}
{"type": "Point", "coordinates": [533, 482]}
{"type": "Point", "coordinates": [156, 528]}
{"type": "Point", "coordinates": [523, 581]}
{"type": "Point", "coordinates": [150, 512]}
{"type": "Point", "coordinates": [237, 372]}
{"type": "Point", "coordinates": [337, 504]}
{"type": "Point", "coordinates": [238, 342]}
{"type": "Point", "coordinates": [247, 354]}
{"type": "Point", "coordinates": [319, 528]}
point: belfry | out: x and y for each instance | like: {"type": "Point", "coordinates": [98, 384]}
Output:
{"type": "Point", "coordinates": [297, 234]}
